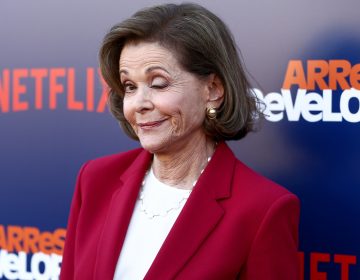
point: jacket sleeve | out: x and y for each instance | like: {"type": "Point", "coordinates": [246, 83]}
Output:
{"type": "Point", "coordinates": [274, 252]}
{"type": "Point", "coordinates": [68, 262]}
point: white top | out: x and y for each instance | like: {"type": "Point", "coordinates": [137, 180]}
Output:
{"type": "Point", "coordinates": [146, 232]}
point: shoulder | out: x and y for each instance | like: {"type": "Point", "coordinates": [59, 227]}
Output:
{"type": "Point", "coordinates": [265, 201]}
{"type": "Point", "coordinates": [242, 183]}
{"type": "Point", "coordinates": [257, 191]}
{"type": "Point", "coordinates": [101, 175]}
{"type": "Point", "coordinates": [271, 215]}
{"type": "Point", "coordinates": [256, 182]}
{"type": "Point", "coordinates": [115, 163]}
{"type": "Point", "coordinates": [265, 206]}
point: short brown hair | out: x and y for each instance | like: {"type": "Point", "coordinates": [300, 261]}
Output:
{"type": "Point", "coordinates": [203, 45]}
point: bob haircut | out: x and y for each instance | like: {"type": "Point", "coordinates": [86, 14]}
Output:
{"type": "Point", "coordinates": [203, 45]}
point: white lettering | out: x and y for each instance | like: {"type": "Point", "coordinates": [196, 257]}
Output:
{"type": "Point", "coordinates": [312, 101]}
{"type": "Point", "coordinates": [23, 274]}
{"type": "Point", "coordinates": [312, 106]}
{"type": "Point", "coordinates": [11, 265]}
{"type": "Point", "coordinates": [329, 115]}
{"type": "Point", "coordinates": [36, 260]}
{"type": "Point", "coordinates": [293, 110]}
{"type": "Point", "coordinates": [42, 266]}
{"type": "Point", "coordinates": [344, 105]}
{"type": "Point", "coordinates": [275, 107]}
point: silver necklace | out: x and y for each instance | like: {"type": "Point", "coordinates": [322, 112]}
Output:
{"type": "Point", "coordinates": [150, 213]}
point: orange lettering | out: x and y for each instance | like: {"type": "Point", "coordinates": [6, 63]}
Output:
{"type": "Point", "coordinates": [46, 243]}
{"type": "Point", "coordinates": [355, 77]}
{"type": "Point", "coordinates": [4, 91]}
{"type": "Point", "coordinates": [15, 237]}
{"type": "Point", "coordinates": [2, 238]}
{"type": "Point", "coordinates": [294, 75]}
{"type": "Point", "coordinates": [39, 75]}
{"type": "Point", "coordinates": [18, 89]}
{"type": "Point", "coordinates": [316, 72]}
{"type": "Point", "coordinates": [54, 87]}
{"type": "Point", "coordinates": [59, 241]}
{"type": "Point", "coordinates": [339, 77]}
{"type": "Point", "coordinates": [31, 237]}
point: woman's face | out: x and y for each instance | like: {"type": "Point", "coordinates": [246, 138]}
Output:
{"type": "Point", "coordinates": [164, 104]}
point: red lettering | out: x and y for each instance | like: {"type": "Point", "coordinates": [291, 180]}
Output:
{"type": "Point", "coordinates": [301, 258]}
{"type": "Point", "coordinates": [90, 84]}
{"type": "Point", "coordinates": [54, 87]}
{"type": "Point", "coordinates": [315, 259]}
{"type": "Point", "coordinates": [102, 103]}
{"type": "Point", "coordinates": [39, 75]}
{"type": "Point", "coordinates": [19, 89]}
{"type": "Point", "coordinates": [72, 103]}
{"type": "Point", "coordinates": [61, 80]}
{"type": "Point", "coordinates": [4, 91]}
{"type": "Point", "coordinates": [345, 261]}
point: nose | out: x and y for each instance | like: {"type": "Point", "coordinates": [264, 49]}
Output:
{"type": "Point", "coordinates": [143, 100]}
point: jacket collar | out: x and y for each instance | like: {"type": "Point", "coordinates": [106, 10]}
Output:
{"type": "Point", "coordinates": [189, 230]}
{"type": "Point", "coordinates": [118, 217]}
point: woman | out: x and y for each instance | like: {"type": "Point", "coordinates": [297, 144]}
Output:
{"type": "Point", "coordinates": [182, 206]}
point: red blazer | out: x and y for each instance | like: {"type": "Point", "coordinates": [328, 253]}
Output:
{"type": "Point", "coordinates": [236, 224]}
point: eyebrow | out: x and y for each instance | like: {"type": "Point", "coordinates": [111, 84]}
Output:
{"type": "Point", "coordinates": [148, 70]}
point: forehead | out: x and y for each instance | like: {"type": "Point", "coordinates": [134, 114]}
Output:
{"type": "Point", "coordinates": [138, 55]}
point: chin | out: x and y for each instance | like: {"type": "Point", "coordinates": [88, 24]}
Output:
{"type": "Point", "coordinates": [155, 145]}
{"type": "Point", "coordinates": [152, 147]}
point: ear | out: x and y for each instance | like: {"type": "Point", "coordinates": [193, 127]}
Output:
{"type": "Point", "coordinates": [215, 91]}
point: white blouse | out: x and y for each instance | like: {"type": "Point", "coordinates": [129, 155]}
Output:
{"type": "Point", "coordinates": [155, 212]}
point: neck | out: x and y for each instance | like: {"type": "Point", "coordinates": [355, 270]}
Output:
{"type": "Point", "coordinates": [182, 166]}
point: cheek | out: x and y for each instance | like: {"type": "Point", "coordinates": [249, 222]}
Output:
{"type": "Point", "coordinates": [187, 115]}
{"type": "Point", "coordinates": [129, 112]}
{"type": "Point", "coordinates": [176, 125]}
{"type": "Point", "coordinates": [194, 109]}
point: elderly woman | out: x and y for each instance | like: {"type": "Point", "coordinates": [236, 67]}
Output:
{"type": "Point", "coordinates": [182, 206]}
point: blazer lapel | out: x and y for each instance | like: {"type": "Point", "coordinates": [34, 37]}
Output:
{"type": "Point", "coordinates": [199, 217]}
{"type": "Point", "coordinates": [118, 217]}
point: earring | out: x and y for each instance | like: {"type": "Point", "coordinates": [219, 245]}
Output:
{"type": "Point", "coordinates": [211, 113]}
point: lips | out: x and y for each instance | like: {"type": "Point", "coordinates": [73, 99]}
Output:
{"type": "Point", "coordinates": [148, 125]}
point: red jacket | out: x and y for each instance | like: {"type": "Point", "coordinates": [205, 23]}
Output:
{"type": "Point", "coordinates": [236, 224]}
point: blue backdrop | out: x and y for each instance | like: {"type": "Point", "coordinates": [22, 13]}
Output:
{"type": "Point", "coordinates": [53, 119]}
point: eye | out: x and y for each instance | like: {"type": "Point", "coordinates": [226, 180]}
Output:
{"type": "Point", "coordinates": [159, 83]}
{"type": "Point", "coordinates": [129, 87]}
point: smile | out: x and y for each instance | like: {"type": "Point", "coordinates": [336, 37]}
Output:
{"type": "Point", "coordinates": [149, 125]}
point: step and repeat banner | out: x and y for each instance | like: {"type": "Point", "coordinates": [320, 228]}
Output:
{"type": "Point", "coordinates": [304, 61]}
